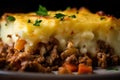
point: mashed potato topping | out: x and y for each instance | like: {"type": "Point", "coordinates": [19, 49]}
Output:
{"type": "Point", "coordinates": [80, 26]}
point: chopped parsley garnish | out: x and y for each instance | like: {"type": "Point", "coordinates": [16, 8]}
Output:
{"type": "Point", "coordinates": [29, 21]}
{"type": "Point", "coordinates": [102, 18]}
{"type": "Point", "coordinates": [42, 11]}
{"type": "Point", "coordinates": [6, 24]}
{"type": "Point", "coordinates": [73, 16]}
{"type": "Point", "coordinates": [60, 16]}
{"type": "Point", "coordinates": [77, 12]}
{"type": "Point", "coordinates": [68, 8]}
{"type": "Point", "coordinates": [10, 18]}
{"type": "Point", "coordinates": [113, 68]}
{"type": "Point", "coordinates": [37, 22]}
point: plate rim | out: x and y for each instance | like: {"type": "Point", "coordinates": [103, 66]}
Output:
{"type": "Point", "coordinates": [6, 75]}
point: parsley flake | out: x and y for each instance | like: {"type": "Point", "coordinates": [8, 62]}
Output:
{"type": "Point", "coordinates": [29, 21]}
{"type": "Point", "coordinates": [60, 16]}
{"type": "Point", "coordinates": [10, 18]}
{"type": "Point", "coordinates": [73, 16]}
{"type": "Point", "coordinates": [68, 8]}
{"type": "Point", "coordinates": [42, 11]}
{"type": "Point", "coordinates": [113, 68]}
{"type": "Point", "coordinates": [37, 22]}
{"type": "Point", "coordinates": [102, 18]}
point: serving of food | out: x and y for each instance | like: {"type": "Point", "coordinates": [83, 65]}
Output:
{"type": "Point", "coordinates": [66, 41]}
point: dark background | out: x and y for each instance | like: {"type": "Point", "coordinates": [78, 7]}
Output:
{"type": "Point", "coordinates": [111, 7]}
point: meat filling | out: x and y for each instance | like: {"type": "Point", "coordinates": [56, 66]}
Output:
{"type": "Point", "coordinates": [46, 57]}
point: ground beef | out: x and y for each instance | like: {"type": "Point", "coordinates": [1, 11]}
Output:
{"type": "Point", "coordinates": [46, 57]}
{"type": "Point", "coordinates": [105, 55]}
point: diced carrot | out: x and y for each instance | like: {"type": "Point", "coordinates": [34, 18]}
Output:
{"type": "Point", "coordinates": [70, 67]}
{"type": "Point", "coordinates": [84, 69]}
{"type": "Point", "coordinates": [19, 45]}
{"type": "Point", "coordinates": [64, 70]}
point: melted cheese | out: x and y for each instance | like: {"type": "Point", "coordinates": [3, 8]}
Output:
{"type": "Point", "coordinates": [84, 30]}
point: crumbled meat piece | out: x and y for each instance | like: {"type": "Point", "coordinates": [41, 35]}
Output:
{"type": "Point", "coordinates": [51, 43]}
{"type": "Point", "coordinates": [71, 59]}
{"type": "Point", "coordinates": [33, 66]}
{"type": "Point", "coordinates": [53, 56]}
{"type": "Point", "coordinates": [23, 65]}
{"type": "Point", "coordinates": [86, 60]}
{"type": "Point", "coordinates": [104, 47]}
{"type": "Point", "coordinates": [1, 46]}
{"type": "Point", "coordinates": [102, 59]}
{"type": "Point", "coordinates": [115, 59]}
{"type": "Point", "coordinates": [54, 68]}
{"type": "Point", "coordinates": [10, 54]}
{"type": "Point", "coordinates": [40, 49]}
{"type": "Point", "coordinates": [69, 51]}
{"type": "Point", "coordinates": [40, 52]}
{"type": "Point", "coordinates": [3, 49]}
{"type": "Point", "coordinates": [39, 59]}
{"type": "Point", "coordinates": [2, 62]}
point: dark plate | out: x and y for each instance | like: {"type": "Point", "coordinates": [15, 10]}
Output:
{"type": "Point", "coordinates": [99, 74]}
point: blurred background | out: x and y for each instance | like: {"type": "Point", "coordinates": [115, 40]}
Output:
{"type": "Point", "coordinates": [111, 7]}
